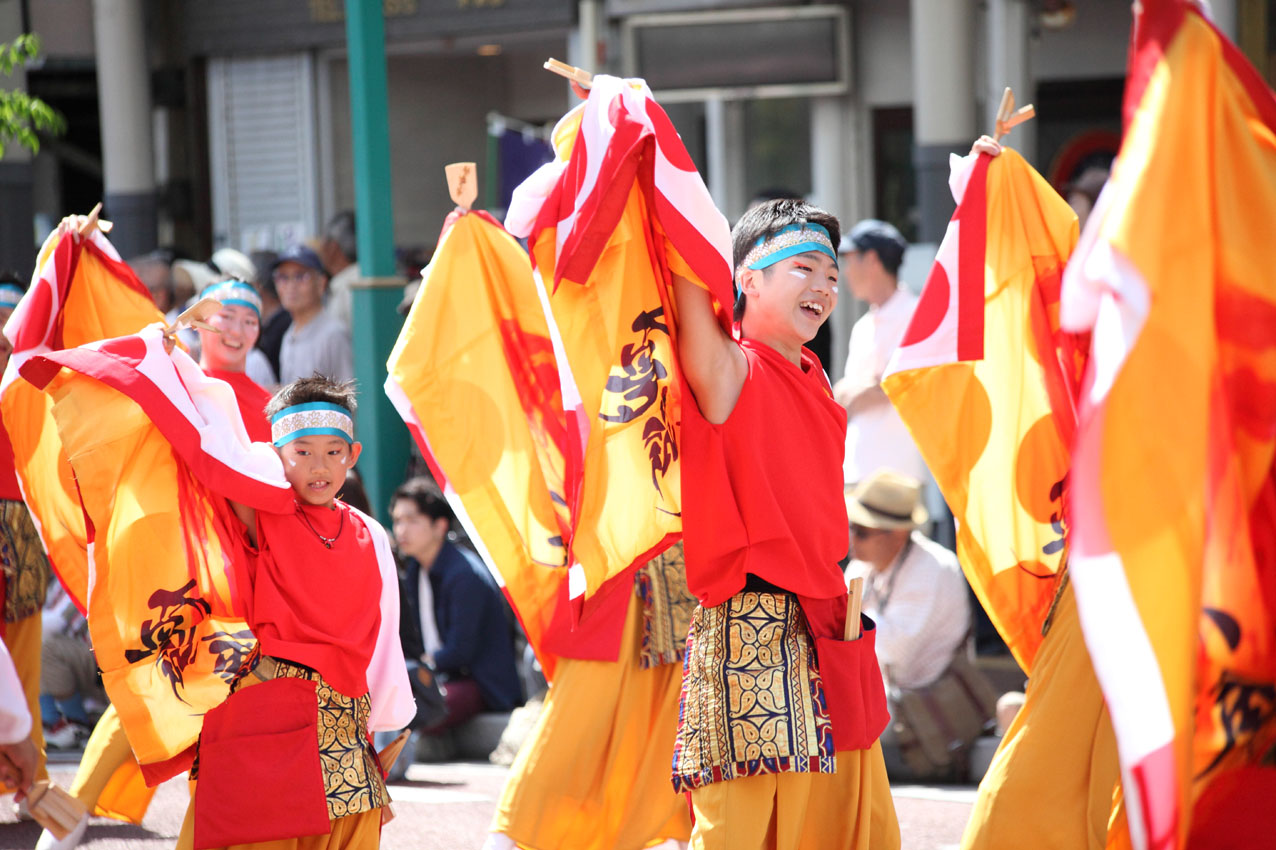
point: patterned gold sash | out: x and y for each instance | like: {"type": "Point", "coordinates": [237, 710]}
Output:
{"type": "Point", "coordinates": [667, 606]}
{"type": "Point", "coordinates": [26, 570]}
{"type": "Point", "coordinates": [752, 698]}
{"type": "Point", "coordinates": [351, 775]}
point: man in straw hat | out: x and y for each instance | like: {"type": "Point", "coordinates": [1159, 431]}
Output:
{"type": "Point", "coordinates": [915, 591]}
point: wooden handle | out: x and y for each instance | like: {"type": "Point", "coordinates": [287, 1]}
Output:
{"type": "Point", "coordinates": [854, 599]}
{"type": "Point", "coordinates": [579, 76]}
{"type": "Point", "coordinates": [462, 183]}
{"type": "Point", "coordinates": [1008, 117]}
{"type": "Point", "coordinates": [54, 809]}
{"type": "Point", "coordinates": [91, 221]}
{"type": "Point", "coordinates": [196, 316]}
{"type": "Point", "coordinates": [390, 754]}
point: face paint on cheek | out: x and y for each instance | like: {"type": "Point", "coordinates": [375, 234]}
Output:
{"type": "Point", "coordinates": [800, 275]}
{"type": "Point", "coordinates": [292, 461]}
{"type": "Point", "coordinates": [835, 289]}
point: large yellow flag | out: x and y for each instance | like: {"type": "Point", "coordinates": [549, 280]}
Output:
{"type": "Point", "coordinates": [618, 213]}
{"type": "Point", "coordinates": [986, 383]}
{"type": "Point", "coordinates": [81, 292]}
{"type": "Point", "coordinates": [1173, 546]}
{"type": "Point", "coordinates": [157, 447]}
{"type": "Point", "coordinates": [475, 377]}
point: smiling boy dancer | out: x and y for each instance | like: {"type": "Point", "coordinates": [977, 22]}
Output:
{"type": "Point", "coordinates": [777, 742]}
{"type": "Point", "coordinates": [223, 355]}
{"type": "Point", "coordinates": [315, 604]}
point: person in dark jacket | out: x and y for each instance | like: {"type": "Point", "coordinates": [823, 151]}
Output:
{"type": "Point", "coordinates": [454, 619]}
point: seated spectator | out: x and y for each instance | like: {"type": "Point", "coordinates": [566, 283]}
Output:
{"type": "Point", "coordinates": [454, 619]}
{"type": "Point", "coordinates": [315, 342]}
{"type": "Point", "coordinates": [69, 684]}
{"type": "Point", "coordinates": [915, 592]}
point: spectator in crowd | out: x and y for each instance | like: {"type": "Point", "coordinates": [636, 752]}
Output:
{"type": "Point", "coordinates": [69, 684]}
{"type": "Point", "coordinates": [875, 435]}
{"type": "Point", "coordinates": [454, 619]}
{"type": "Point", "coordinates": [1083, 192]}
{"type": "Point", "coordinates": [915, 592]}
{"type": "Point", "coordinates": [189, 277]}
{"type": "Point", "coordinates": [274, 318]}
{"type": "Point", "coordinates": [157, 276]}
{"type": "Point", "coordinates": [339, 252]}
{"type": "Point", "coordinates": [315, 342]}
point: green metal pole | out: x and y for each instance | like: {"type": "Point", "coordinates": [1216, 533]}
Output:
{"type": "Point", "coordinates": [375, 320]}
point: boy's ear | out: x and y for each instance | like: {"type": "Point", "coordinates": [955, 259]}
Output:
{"type": "Point", "coordinates": [749, 280]}
{"type": "Point", "coordinates": [355, 449]}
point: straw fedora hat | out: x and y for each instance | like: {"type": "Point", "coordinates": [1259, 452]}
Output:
{"type": "Point", "coordinates": [887, 500]}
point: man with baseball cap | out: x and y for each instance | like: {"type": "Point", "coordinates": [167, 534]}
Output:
{"type": "Point", "coordinates": [915, 591]}
{"type": "Point", "coordinates": [871, 254]}
{"type": "Point", "coordinates": [316, 342]}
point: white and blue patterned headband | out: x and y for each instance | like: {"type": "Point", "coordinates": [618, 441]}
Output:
{"type": "Point", "coordinates": [10, 294]}
{"type": "Point", "coordinates": [786, 242]}
{"type": "Point", "coordinates": [314, 418]}
{"type": "Point", "coordinates": [235, 292]}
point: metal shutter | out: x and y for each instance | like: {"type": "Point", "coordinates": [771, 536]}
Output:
{"type": "Point", "coordinates": [262, 150]}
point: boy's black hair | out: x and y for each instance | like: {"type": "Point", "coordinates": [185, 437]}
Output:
{"type": "Point", "coordinates": [427, 496]}
{"type": "Point", "coordinates": [11, 277]}
{"type": "Point", "coordinates": [316, 388]}
{"type": "Point", "coordinates": [765, 220]}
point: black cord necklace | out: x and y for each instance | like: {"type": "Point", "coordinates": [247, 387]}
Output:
{"type": "Point", "coordinates": [326, 541]}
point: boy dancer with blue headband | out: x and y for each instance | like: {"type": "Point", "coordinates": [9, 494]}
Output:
{"type": "Point", "coordinates": [314, 602]}
{"type": "Point", "coordinates": [223, 355]}
{"type": "Point", "coordinates": [777, 742]}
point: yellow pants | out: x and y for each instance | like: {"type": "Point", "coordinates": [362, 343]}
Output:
{"type": "Point", "coordinates": [355, 832]}
{"type": "Point", "coordinates": [594, 775]}
{"type": "Point", "coordinates": [23, 642]}
{"type": "Point", "coordinates": [1051, 781]}
{"type": "Point", "coordinates": [109, 781]}
{"type": "Point", "coordinates": [851, 809]}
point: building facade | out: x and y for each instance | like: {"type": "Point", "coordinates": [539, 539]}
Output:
{"type": "Point", "coordinates": [233, 122]}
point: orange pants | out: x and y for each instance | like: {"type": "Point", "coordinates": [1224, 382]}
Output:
{"type": "Point", "coordinates": [1051, 782]}
{"type": "Point", "coordinates": [594, 775]}
{"type": "Point", "coordinates": [851, 809]}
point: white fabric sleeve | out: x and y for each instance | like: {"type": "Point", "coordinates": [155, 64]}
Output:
{"type": "Point", "coordinates": [388, 689]}
{"type": "Point", "coordinates": [15, 717]}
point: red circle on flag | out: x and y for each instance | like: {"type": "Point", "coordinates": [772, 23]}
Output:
{"type": "Point", "coordinates": [931, 308]}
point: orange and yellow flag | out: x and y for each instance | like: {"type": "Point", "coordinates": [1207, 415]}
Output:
{"type": "Point", "coordinates": [986, 383]}
{"type": "Point", "coordinates": [475, 377]}
{"type": "Point", "coordinates": [157, 447]}
{"type": "Point", "coordinates": [609, 222]}
{"type": "Point", "coordinates": [1173, 497]}
{"type": "Point", "coordinates": [81, 292]}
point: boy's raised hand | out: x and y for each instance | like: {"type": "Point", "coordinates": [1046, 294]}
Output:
{"type": "Point", "coordinates": [986, 144]}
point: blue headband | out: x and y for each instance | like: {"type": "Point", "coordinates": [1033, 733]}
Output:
{"type": "Point", "coordinates": [234, 292]}
{"type": "Point", "coordinates": [787, 241]}
{"type": "Point", "coordinates": [314, 418]}
{"type": "Point", "coordinates": [10, 294]}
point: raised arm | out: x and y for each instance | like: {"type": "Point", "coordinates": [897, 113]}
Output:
{"type": "Point", "coordinates": [713, 365]}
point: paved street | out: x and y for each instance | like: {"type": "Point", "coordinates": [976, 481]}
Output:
{"type": "Point", "coordinates": [447, 807]}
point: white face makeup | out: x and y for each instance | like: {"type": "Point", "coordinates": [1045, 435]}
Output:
{"type": "Point", "coordinates": [800, 275]}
